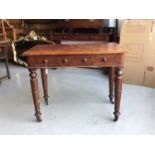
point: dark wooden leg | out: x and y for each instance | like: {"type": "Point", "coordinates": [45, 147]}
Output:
{"type": "Point", "coordinates": [118, 91]}
{"type": "Point", "coordinates": [6, 63]}
{"type": "Point", "coordinates": [44, 83]}
{"type": "Point", "coordinates": [35, 93]}
{"type": "Point", "coordinates": [111, 83]}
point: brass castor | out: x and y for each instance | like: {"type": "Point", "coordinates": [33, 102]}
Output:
{"type": "Point", "coordinates": [46, 100]}
{"type": "Point", "coordinates": [39, 119]}
{"type": "Point", "coordinates": [116, 115]}
{"type": "Point", "coordinates": [111, 98]}
{"type": "Point", "coordinates": [38, 116]}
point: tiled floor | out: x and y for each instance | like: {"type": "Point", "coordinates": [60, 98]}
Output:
{"type": "Point", "coordinates": [78, 104]}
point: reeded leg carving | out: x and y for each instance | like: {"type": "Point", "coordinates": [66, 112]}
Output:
{"type": "Point", "coordinates": [118, 91]}
{"type": "Point", "coordinates": [35, 93]}
{"type": "Point", "coordinates": [111, 84]}
{"type": "Point", "coordinates": [44, 83]}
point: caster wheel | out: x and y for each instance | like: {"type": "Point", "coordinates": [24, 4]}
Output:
{"type": "Point", "coordinates": [111, 99]}
{"type": "Point", "coordinates": [39, 119]}
{"type": "Point", "coordinates": [116, 115]}
{"type": "Point", "coordinates": [46, 100]}
{"type": "Point", "coordinates": [38, 116]}
{"type": "Point", "coordinates": [116, 118]}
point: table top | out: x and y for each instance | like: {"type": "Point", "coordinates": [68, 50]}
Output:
{"type": "Point", "coordinates": [74, 49]}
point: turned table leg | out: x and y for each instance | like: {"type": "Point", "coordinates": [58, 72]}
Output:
{"type": "Point", "coordinates": [118, 91]}
{"type": "Point", "coordinates": [111, 83]}
{"type": "Point", "coordinates": [44, 83]}
{"type": "Point", "coordinates": [35, 92]}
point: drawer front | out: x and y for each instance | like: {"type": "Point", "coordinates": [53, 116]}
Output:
{"type": "Point", "coordinates": [104, 37]}
{"type": "Point", "coordinates": [76, 36]}
{"type": "Point", "coordinates": [84, 60]}
{"type": "Point", "coordinates": [84, 23]}
{"type": "Point", "coordinates": [42, 61]}
{"type": "Point", "coordinates": [69, 37]}
{"type": "Point", "coordinates": [107, 60]}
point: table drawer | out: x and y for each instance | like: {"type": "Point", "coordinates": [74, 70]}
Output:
{"type": "Point", "coordinates": [78, 36]}
{"type": "Point", "coordinates": [101, 37]}
{"type": "Point", "coordinates": [66, 36]}
{"type": "Point", "coordinates": [106, 60]}
{"type": "Point", "coordinates": [42, 61]}
{"type": "Point", "coordinates": [71, 60]}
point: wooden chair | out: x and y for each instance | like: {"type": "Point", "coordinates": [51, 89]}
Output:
{"type": "Point", "coordinates": [5, 43]}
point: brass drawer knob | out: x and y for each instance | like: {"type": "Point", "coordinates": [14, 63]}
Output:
{"type": "Point", "coordinates": [66, 20]}
{"type": "Point", "coordinates": [92, 20]}
{"type": "Point", "coordinates": [84, 59]}
{"type": "Point", "coordinates": [45, 61]}
{"type": "Point", "coordinates": [104, 59]}
{"type": "Point", "coordinates": [91, 37]}
{"type": "Point", "coordinates": [65, 60]}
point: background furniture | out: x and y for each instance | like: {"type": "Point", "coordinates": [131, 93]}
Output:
{"type": "Point", "coordinates": [58, 29]}
{"type": "Point", "coordinates": [5, 42]}
{"type": "Point", "coordinates": [47, 27]}
{"type": "Point", "coordinates": [79, 29]}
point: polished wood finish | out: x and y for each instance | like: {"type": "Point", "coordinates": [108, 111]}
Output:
{"type": "Point", "coordinates": [87, 55]}
{"type": "Point", "coordinates": [74, 49]}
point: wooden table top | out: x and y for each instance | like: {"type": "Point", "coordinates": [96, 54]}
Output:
{"type": "Point", "coordinates": [74, 49]}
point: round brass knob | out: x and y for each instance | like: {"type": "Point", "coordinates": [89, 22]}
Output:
{"type": "Point", "coordinates": [65, 60]}
{"type": "Point", "coordinates": [84, 59]}
{"type": "Point", "coordinates": [91, 37]}
{"type": "Point", "coordinates": [45, 61]}
{"type": "Point", "coordinates": [66, 20]}
{"type": "Point", "coordinates": [104, 59]}
{"type": "Point", "coordinates": [91, 20]}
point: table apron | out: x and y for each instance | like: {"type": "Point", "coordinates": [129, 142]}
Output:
{"type": "Point", "coordinates": [108, 60]}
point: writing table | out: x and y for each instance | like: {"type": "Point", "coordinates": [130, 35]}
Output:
{"type": "Point", "coordinates": [76, 55]}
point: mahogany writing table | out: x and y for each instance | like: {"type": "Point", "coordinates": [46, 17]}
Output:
{"type": "Point", "coordinates": [76, 55]}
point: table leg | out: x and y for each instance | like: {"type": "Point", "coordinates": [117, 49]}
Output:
{"type": "Point", "coordinates": [35, 93]}
{"type": "Point", "coordinates": [44, 83]}
{"type": "Point", "coordinates": [118, 91]}
{"type": "Point", "coordinates": [111, 83]}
